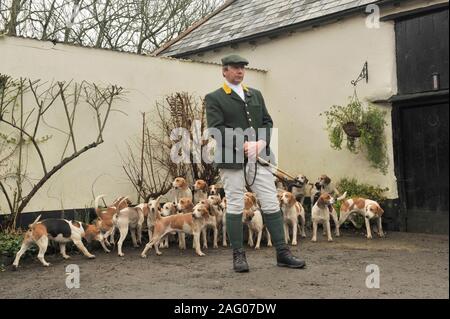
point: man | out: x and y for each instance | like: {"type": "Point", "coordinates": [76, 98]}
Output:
{"type": "Point", "coordinates": [237, 107]}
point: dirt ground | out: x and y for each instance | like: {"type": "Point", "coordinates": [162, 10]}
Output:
{"type": "Point", "coordinates": [411, 266]}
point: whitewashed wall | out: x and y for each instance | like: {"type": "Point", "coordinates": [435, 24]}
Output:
{"type": "Point", "coordinates": [146, 79]}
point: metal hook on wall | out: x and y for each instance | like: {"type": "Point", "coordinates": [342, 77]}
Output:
{"type": "Point", "coordinates": [363, 75]}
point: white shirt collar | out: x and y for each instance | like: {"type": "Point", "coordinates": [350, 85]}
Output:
{"type": "Point", "coordinates": [236, 88]}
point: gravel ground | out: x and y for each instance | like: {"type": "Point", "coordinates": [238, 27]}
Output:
{"type": "Point", "coordinates": [410, 265]}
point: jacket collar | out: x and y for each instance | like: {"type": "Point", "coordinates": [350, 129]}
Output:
{"type": "Point", "coordinates": [229, 91]}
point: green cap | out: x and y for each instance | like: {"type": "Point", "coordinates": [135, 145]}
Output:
{"type": "Point", "coordinates": [234, 59]}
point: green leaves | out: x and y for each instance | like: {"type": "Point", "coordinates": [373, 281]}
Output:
{"type": "Point", "coordinates": [370, 124]}
{"type": "Point", "coordinates": [10, 243]}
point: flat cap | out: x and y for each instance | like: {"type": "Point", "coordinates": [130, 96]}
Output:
{"type": "Point", "coordinates": [234, 59]}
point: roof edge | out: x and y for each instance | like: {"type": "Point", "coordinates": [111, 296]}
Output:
{"type": "Point", "coordinates": [302, 24]}
{"type": "Point", "coordinates": [192, 28]}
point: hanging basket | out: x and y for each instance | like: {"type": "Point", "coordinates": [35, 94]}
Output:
{"type": "Point", "coordinates": [351, 129]}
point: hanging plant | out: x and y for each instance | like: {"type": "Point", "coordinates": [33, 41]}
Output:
{"type": "Point", "coordinates": [362, 128]}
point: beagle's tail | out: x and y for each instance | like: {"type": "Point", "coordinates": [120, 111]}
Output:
{"type": "Point", "coordinates": [342, 197]}
{"type": "Point", "coordinates": [97, 209]}
{"type": "Point", "coordinates": [35, 222]}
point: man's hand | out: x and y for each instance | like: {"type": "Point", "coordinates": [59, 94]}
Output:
{"type": "Point", "coordinates": [252, 149]}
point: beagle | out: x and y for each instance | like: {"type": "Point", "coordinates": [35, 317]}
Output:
{"type": "Point", "coordinates": [327, 186]}
{"type": "Point", "coordinates": [320, 214]}
{"type": "Point", "coordinates": [252, 217]}
{"type": "Point", "coordinates": [200, 191]}
{"type": "Point", "coordinates": [191, 223]}
{"type": "Point", "coordinates": [300, 192]}
{"type": "Point", "coordinates": [322, 186]}
{"type": "Point", "coordinates": [105, 221]}
{"type": "Point", "coordinates": [168, 209]}
{"type": "Point", "coordinates": [181, 189]}
{"type": "Point", "coordinates": [130, 218]}
{"type": "Point", "coordinates": [61, 231]}
{"type": "Point", "coordinates": [154, 209]}
{"type": "Point", "coordinates": [292, 212]}
{"type": "Point", "coordinates": [184, 205]}
{"type": "Point", "coordinates": [214, 190]}
{"type": "Point", "coordinates": [369, 209]}
{"type": "Point", "coordinates": [215, 221]}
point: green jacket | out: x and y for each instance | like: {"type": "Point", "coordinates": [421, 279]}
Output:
{"type": "Point", "coordinates": [225, 109]}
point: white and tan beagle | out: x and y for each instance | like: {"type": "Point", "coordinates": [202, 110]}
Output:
{"type": "Point", "coordinates": [181, 189]}
{"type": "Point", "coordinates": [320, 214]}
{"type": "Point", "coordinates": [61, 231]}
{"type": "Point", "coordinates": [367, 208]}
{"type": "Point", "coordinates": [190, 223]}
{"type": "Point", "coordinates": [300, 192]}
{"type": "Point", "coordinates": [293, 216]}
{"type": "Point", "coordinates": [131, 219]}
{"type": "Point", "coordinates": [200, 191]}
{"type": "Point", "coordinates": [323, 186]}
{"type": "Point", "coordinates": [252, 217]}
{"type": "Point", "coordinates": [168, 209]}
{"type": "Point", "coordinates": [184, 206]}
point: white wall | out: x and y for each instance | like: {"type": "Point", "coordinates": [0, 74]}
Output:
{"type": "Point", "coordinates": [147, 80]}
{"type": "Point", "coordinates": [308, 72]}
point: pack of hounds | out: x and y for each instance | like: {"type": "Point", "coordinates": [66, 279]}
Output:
{"type": "Point", "coordinates": [197, 210]}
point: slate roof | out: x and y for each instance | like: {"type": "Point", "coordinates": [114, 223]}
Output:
{"type": "Point", "coordinates": [245, 19]}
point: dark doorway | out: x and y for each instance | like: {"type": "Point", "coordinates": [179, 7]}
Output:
{"type": "Point", "coordinates": [424, 176]}
{"type": "Point", "coordinates": [421, 121]}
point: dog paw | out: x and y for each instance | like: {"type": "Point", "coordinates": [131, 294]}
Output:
{"type": "Point", "coordinates": [143, 256]}
{"type": "Point", "coordinates": [294, 243]}
{"type": "Point", "coordinates": [369, 237]}
{"type": "Point", "coordinates": [224, 245]}
{"type": "Point", "coordinates": [91, 256]}
{"type": "Point", "coordinates": [330, 240]}
{"type": "Point", "coordinates": [46, 265]}
{"type": "Point", "coordinates": [14, 268]}
{"type": "Point", "coordinates": [159, 253]}
{"type": "Point", "coordinates": [215, 246]}
{"type": "Point", "coordinates": [66, 257]}
{"type": "Point", "coordinates": [257, 247]}
{"type": "Point", "coordinates": [121, 254]}
{"type": "Point", "coordinates": [201, 254]}
{"type": "Point", "coordinates": [314, 240]}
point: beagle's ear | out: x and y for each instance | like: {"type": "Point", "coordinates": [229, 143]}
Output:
{"type": "Point", "coordinates": [327, 180]}
{"type": "Point", "coordinates": [306, 180]}
{"type": "Point", "coordinates": [158, 200]}
{"type": "Point", "coordinates": [380, 210]}
{"type": "Point", "coordinates": [292, 199]}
